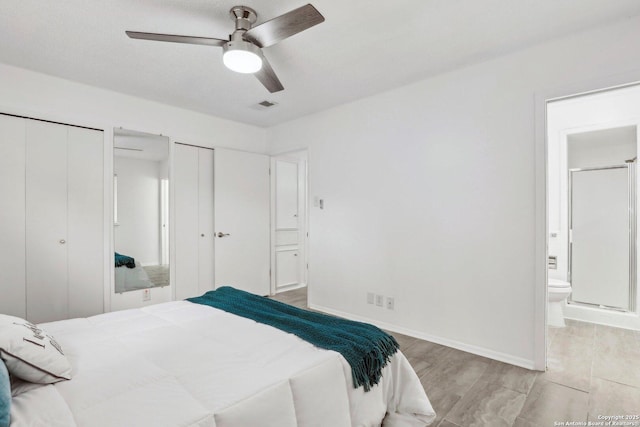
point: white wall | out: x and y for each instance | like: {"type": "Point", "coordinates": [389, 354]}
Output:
{"type": "Point", "coordinates": [138, 231]}
{"type": "Point", "coordinates": [41, 96]}
{"type": "Point", "coordinates": [431, 196]}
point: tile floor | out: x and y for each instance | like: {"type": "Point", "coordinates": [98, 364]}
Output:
{"type": "Point", "coordinates": [593, 371]}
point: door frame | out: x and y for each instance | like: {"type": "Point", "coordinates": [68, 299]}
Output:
{"type": "Point", "coordinates": [301, 158]}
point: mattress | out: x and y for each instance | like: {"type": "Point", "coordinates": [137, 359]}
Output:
{"type": "Point", "coordinates": [185, 364]}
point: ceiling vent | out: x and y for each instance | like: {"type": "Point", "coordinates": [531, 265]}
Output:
{"type": "Point", "coordinates": [267, 104]}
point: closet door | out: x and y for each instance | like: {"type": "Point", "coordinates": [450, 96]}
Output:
{"type": "Point", "coordinates": [46, 221]}
{"type": "Point", "coordinates": [205, 221]}
{"type": "Point", "coordinates": [194, 220]}
{"type": "Point", "coordinates": [12, 216]}
{"type": "Point", "coordinates": [186, 181]}
{"type": "Point", "coordinates": [85, 243]}
{"type": "Point", "coordinates": [242, 204]}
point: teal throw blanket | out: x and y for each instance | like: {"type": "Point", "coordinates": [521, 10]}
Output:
{"type": "Point", "coordinates": [124, 260]}
{"type": "Point", "coordinates": [366, 348]}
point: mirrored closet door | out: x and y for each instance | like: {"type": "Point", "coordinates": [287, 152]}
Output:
{"type": "Point", "coordinates": [141, 210]}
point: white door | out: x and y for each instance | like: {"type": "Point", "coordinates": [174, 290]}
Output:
{"type": "Point", "coordinates": [85, 243]}
{"type": "Point", "coordinates": [194, 241]}
{"type": "Point", "coordinates": [206, 240]}
{"type": "Point", "coordinates": [185, 162]}
{"type": "Point", "coordinates": [600, 237]}
{"type": "Point", "coordinates": [12, 216]}
{"type": "Point", "coordinates": [288, 185]}
{"type": "Point", "coordinates": [46, 221]}
{"type": "Point", "coordinates": [242, 200]}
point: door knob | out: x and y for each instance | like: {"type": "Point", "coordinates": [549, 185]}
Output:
{"type": "Point", "coordinates": [221, 234]}
{"type": "Point", "coordinates": [62, 241]}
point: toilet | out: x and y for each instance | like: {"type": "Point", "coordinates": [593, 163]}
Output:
{"type": "Point", "coordinates": [559, 291]}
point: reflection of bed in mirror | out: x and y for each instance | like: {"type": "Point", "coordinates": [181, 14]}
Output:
{"type": "Point", "coordinates": [141, 210]}
{"type": "Point", "coordinates": [131, 276]}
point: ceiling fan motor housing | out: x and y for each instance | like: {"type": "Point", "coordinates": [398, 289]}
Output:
{"type": "Point", "coordinates": [244, 16]}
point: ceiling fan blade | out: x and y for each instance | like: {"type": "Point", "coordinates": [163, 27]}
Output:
{"type": "Point", "coordinates": [278, 29]}
{"type": "Point", "coordinates": [176, 39]}
{"type": "Point", "coordinates": [268, 77]}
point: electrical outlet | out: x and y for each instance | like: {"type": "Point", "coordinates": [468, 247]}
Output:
{"type": "Point", "coordinates": [370, 297]}
{"type": "Point", "coordinates": [379, 300]}
{"type": "Point", "coordinates": [390, 303]}
{"type": "Point", "coordinates": [146, 295]}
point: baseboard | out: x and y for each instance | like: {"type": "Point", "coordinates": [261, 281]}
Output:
{"type": "Point", "coordinates": [291, 287]}
{"type": "Point", "coordinates": [479, 351]}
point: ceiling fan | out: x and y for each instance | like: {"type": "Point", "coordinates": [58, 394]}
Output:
{"type": "Point", "coordinates": [243, 51]}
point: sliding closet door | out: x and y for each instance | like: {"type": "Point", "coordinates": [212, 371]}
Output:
{"type": "Point", "coordinates": [194, 220]}
{"type": "Point", "coordinates": [85, 243]}
{"type": "Point", "coordinates": [205, 221]}
{"type": "Point", "coordinates": [12, 216]}
{"type": "Point", "coordinates": [185, 163]}
{"type": "Point", "coordinates": [46, 220]}
{"type": "Point", "coordinates": [51, 220]}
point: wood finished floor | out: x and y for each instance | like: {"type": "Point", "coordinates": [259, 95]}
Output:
{"type": "Point", "coordinates": [158, 274]}
{"type": "Point", "coordinates": [592, 370]}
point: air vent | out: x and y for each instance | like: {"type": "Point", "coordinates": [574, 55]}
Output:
{"type": "Point", "coordinates": [267, 104]}
{"type": "Point", "coordinates": [264, 105]}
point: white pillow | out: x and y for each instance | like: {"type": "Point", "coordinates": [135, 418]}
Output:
{"type": "Point", "coordinates": [30, 353]}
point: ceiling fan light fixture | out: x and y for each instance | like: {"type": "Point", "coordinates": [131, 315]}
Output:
{"type": "Point", "coordinates": [242, 57]}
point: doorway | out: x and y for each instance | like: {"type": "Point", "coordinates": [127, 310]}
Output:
{"type": "Point", "coordinates": [289, 232]}
{"type": "Point", "coordinates": [592, 144]}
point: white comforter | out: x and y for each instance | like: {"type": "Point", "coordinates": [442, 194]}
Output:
{"type": "Point", "coordinates": [184, 364]}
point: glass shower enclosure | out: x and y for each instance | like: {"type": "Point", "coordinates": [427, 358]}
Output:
{"type": "Point", "coordinates": [602, 236]}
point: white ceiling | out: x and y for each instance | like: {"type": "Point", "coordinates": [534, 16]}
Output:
{"type": "Point", "coordinates": [363, 47]}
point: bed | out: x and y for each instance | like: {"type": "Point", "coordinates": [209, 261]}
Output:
{"type": "Point", "coordinates": [129, 275]}
{"type": "Point", "coordinates": [186, 364]}
{"type": "Point", "coordinates": [131, 279]}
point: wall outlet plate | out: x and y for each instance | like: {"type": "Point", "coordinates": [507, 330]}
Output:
{"type": "Point", "coordinates": [390, 303]}
{"type": "Point", "coordinates": [370, 297]}
{"type": "Point", "coordinates": [379, 300]}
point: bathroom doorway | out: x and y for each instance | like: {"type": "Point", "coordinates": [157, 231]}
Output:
{"type": "Point", "coordinates": [592, 146]}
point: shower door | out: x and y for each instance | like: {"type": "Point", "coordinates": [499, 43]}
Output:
{"type": "Point", "coordinates": [601, 236]}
